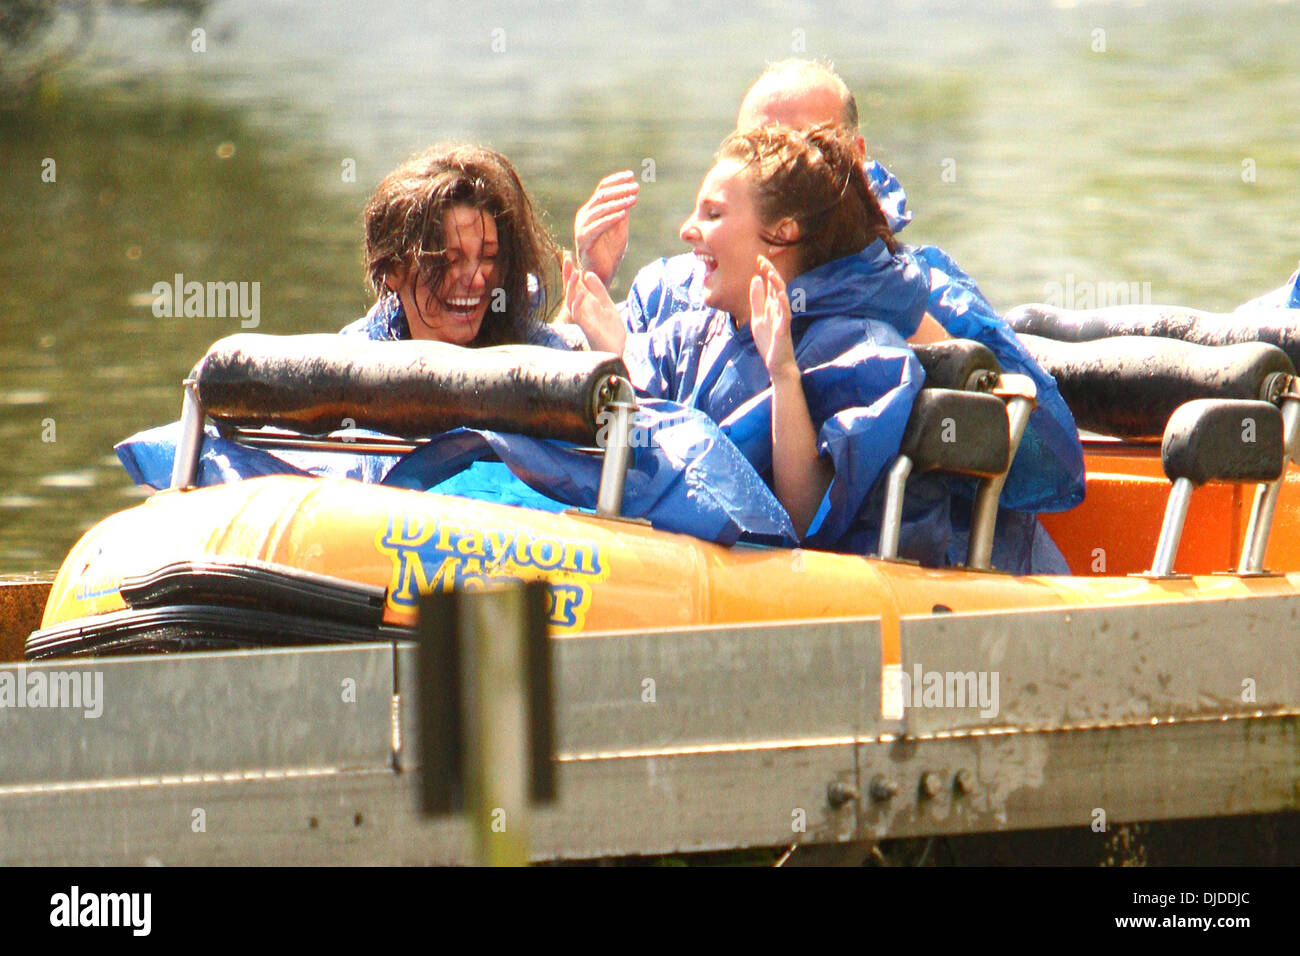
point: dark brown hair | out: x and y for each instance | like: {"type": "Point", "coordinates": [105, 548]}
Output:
{"type": "Point", "coordinates": [813, 177]}
{"type": "Point", "coordinates": [403, 222]}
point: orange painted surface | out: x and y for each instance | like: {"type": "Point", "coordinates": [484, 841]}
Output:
{"type": "Point", "coordinates": [1116, 528]}
{"type": "Point", "coordinates": [617, 575]}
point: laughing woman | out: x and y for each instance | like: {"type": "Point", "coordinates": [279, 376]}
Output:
{"type": "Point", "coordinates": [797, 352]}
{"type": "Point", "coordinates": [456, 253]}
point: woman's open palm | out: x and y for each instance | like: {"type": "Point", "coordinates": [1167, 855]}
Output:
{"type": "Point", "coordinates": [769, 310]}
{"type": "Point", "coordinates": [591, 308]}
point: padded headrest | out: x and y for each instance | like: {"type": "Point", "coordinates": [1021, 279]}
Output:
{"type": "Point", "coordinates": [964, 433]}
{"type": "Point", "coordinates": [957, 363]}
{"type": "Point", "coordinates": [411, 389]}
{"type": "Point", "coordinates": [1130, 386]}
{"type": "Point", "coordinates": [1216, 440]}
{"type": "Point", "coordinates": [1280, 327]}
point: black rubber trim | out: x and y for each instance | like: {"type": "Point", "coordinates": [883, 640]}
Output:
{"type": "Point", "coordinates": [194, 627]}
{"type": "Point", "coordinates": [259, 586]}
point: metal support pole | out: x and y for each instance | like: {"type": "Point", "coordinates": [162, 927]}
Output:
{"type": "Point", "coordinates": [1021, 395]}
{"type": "Point", "coordinates": [487, 714]}
{"type": "Point", "coordinates": [1261, 513]}
{"type": "Point", "coordinates": [185, 466]}
{"type": "Point", "coordinates": [892, 523]}
{"type": "Point", "coordinates": [618, 449]}
{"type": "Point", "coordinates": [493, 675]}
{"type": "Point", "coordinates": [1171, 530]}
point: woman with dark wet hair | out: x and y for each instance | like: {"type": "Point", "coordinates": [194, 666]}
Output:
{"type": "Point", "coordinates": [455, 252]}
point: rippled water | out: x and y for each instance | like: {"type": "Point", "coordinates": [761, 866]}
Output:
{"type": "Point", "coordinates": [1028, 152]}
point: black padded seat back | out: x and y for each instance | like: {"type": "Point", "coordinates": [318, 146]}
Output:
{"type": "Point", "coordinates": [964, 433]}
{"type": "Point", "coordinates": [315, 384]}
{"type": "Point", "coordinates": [1280, 327]}
{"type": "Point", "coordinates": [1218, 440]}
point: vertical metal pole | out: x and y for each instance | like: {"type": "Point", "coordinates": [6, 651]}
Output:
{"type": "Point", "coordinates": [494, 662]}
{"type": "Point", "coordinates": [486, 713]}
{"type": "Point", "coordinates": [1171, 530]}
{"type": "Point", "coordinates": [185, 466]}
{"type": "Point", "coordinates": [984, 513]}
{"type": "Point", "coordinates": [1261, 513]}
{"type": "Point", "coordinates": [891, 524]}
{"type": "Point", "coordinates": [618, 449]}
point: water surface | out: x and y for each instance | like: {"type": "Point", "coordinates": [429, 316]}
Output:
{"type": "Point", "coordinates": [1031, 154]}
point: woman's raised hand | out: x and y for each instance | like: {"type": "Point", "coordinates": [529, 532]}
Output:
{"type": "Point", "coordinates": [769, 320]}
{"type": "Point", "coordinates": [600, 227]}
{"type": "Point", "coordinates": [590, 307]}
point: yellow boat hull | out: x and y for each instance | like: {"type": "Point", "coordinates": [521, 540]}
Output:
{"type": "Point", "coordinates": [605, 575]}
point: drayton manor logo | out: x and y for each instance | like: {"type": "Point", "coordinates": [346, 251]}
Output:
{"type": "Point", "coordinates": [208, 300]}
{"type": "Point", "coordinates": [41, 688]}
{"type": "Point", "coordinates": [922, 688]}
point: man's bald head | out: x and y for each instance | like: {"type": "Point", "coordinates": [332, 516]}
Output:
{"type": "Point", "coordinates": [798, 94]}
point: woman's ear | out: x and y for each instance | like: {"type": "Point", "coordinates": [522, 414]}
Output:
{"type": "Point", "coordinates": [787, 231]}
{"type": "Point", "coordinates": [396, 278]}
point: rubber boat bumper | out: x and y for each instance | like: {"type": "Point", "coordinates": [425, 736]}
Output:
{"type": "Point", "coordinates": [220, 605]}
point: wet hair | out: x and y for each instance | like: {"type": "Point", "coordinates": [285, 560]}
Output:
{"type": "Point", "coordinates": [814, 178]}
{"type": "Point", "coordinates": [814, 73]}
{"type": "Point", "coordinates": [403, 225]}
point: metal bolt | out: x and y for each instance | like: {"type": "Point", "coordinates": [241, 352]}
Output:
{"type": "Point", "coordinates": [964, 782]}
{"type": "Point", "coordinates": [882, 788]}
{"type": "Point", "coordinates": [931, 784]}
{"type": "Point", "coordinates": [839, 793]}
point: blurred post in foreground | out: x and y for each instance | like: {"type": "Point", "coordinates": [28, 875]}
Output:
{"type": "Point", "coordinates": [486, 720]}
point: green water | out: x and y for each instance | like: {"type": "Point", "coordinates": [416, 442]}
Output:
{"type": "Point", "coordinates": [1032, 157]}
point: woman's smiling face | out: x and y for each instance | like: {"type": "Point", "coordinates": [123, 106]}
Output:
{"type": "Point", "coordinates": [726, 234]}
{"type": "Point", "coordinates": [454, 313]}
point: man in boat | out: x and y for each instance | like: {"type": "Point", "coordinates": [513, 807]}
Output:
{"type": "Point", "coordinates": [1048, 473]}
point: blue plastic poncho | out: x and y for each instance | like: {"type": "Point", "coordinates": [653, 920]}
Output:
{"type": "Point", "coordinates": [1284, 297]}
{"type": "Point", "coordinates": [685, 476]}
{"type": "Point", "coordinates": [1048, 472]}
{"type": "Point", "coordinates": [859, 375]}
